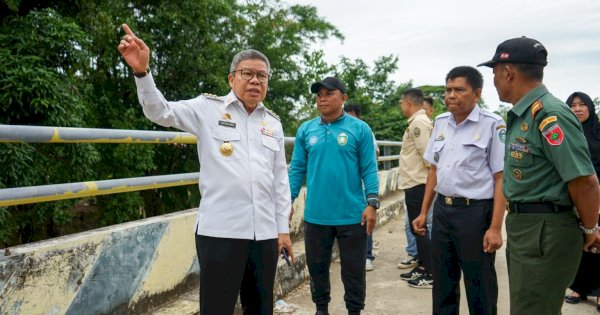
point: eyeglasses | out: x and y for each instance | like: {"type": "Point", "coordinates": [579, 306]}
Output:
{"type": "Point", "coordinates": [247, 75]}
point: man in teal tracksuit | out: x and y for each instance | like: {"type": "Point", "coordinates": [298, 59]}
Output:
{"type": "Point", "coordinates": [334, 152]}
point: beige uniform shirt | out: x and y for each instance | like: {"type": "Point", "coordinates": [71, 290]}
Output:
{"type": "Point", "coordinates": [413, 167]}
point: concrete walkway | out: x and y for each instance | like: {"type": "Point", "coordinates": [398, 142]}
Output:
{"type": "Point", "coordinates": [386, 293]}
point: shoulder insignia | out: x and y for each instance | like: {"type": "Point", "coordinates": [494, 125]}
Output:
{"type": "Point", "coordinates": [417, 132]}
{"type": "Point", "coordinates": [546, 121]}
{"type": "Point", "coordinates": [490, 114]}
{"type": "Point", "coordinates": [554, 135]}
{"type": "Point", "coordinates": [535, 108]}
{"type": "Point", "coordinates": [501, 127]}
{"type": "Point", "coordinates": [272, 113]}
{"type": "Point", "coordinates": [212, 96]}
{"type": "Point", "coordinates": [442, 116]}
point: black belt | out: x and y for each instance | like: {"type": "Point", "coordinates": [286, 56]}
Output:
{"type": "Point", "coordinates": [537, 207]}
{"type": "Point", "coordinates": [459, 201]}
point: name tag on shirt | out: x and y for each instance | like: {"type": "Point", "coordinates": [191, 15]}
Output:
{"type": "Point", "coordinates": [519, 147]}
{"type": "Point", "coordinates": [227, 123]}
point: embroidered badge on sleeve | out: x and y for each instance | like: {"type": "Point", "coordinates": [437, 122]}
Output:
{"type": "Point", "coordinates": [554, 135]}
{"type": "Point", "coordinates": [546, 121]}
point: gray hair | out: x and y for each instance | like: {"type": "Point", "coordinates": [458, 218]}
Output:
{"type": "Point", "coordinates": [247, 55]}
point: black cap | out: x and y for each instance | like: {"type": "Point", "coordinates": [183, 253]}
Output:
{"type": "Point", "coordinates": [329, 83]}
{"type": "Point", "coordinates": [519, 50]}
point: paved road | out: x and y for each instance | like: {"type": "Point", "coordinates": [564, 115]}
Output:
{"type": "Point", "coordinates": [388, 295]}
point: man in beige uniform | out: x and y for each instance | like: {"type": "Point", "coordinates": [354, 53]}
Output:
{"type": "Point", "coordinates": [413, 176]}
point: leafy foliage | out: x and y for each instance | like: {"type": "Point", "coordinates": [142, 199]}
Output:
{"type": "Point", "coordinates": [62, 68]}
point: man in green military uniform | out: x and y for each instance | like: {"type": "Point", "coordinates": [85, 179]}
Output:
{"type": "Point", "coordinates": [547, 171]}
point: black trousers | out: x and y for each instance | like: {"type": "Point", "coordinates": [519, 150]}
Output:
{"type": "Point", "coordinates": [231, 266]}
{"type": "Point", "coordinates": [414, 200]}
{"type": "Point", "coordinates": [457, 243]}
{"type": "Point", "coordinates": [587, 280]}
{"type": "Point", "coordinates": [352, 242]}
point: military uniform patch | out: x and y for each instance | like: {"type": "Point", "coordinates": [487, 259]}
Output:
{"type": "Point", "coordinates": [535, 108]}
{"type": "Point", "coordinates": [518, 174]}
{"type": "Point", "coordinates": [501, 127]}
{"type": "Point", "coordinates": [417, 132]}
{"type": "Point", "coordinates": [516, 154]}
{"type": "Point", "coordinates": [524, 126]}
{"type": "Point", "coordinates": [554, 135]}
{"type": "Point", "coordinates": [518, 147]}
{"type": "Point", "coordinates": [520, 139]}
{"type": "Point", "coordinates": [546, 121]}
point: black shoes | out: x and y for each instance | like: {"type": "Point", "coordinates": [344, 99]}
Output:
{"type": "Point", "coordinates": [571, 299]}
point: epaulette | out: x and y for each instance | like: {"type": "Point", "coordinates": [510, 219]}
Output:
{"type": "Point", "coordinates": [491, 114]}
{"type": "Point", "coordinates": [212, 96]}
{"type": "Point", "coordinates": [442, 116]}
{"type": "Point", "coordinates": [536, 107]}
{"type": "Point", "coordinates": [272, 113]}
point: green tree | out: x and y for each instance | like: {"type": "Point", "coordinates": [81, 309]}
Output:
{"type": "Point", "coordinates": [62, 68]}
{"type": "Point", "coordinates": [42, 85]}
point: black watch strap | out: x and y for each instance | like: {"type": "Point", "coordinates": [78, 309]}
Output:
{"type": "Point", "coordinates": [373, 203]}
{"type": "Point", "coordinates": [143, 74]}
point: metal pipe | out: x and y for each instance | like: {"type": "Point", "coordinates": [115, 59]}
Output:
{"type": "Point", "coordinates": [34, 194]}
{"type": "Point", "coordinates": [37, 134]}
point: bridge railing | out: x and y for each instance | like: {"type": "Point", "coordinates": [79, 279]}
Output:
{"type": "Point", "coordinates": [37, 134]}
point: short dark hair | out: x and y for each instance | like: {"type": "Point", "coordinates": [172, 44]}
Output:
{"type": "Point", "coordinates": [353, 108]}
{"type": "Point", "coordinates": [530, 71]}
{"type": "Point", "coordinates": [414, 95]}
{"type": "Point", "coordinates": [471, 75]}
{"type": "Point", "coordinates": [429, 100]}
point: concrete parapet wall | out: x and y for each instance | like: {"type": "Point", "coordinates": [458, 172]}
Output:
{"type": "Point", "coordinates": [128, 268]}
{"type": "Point", "coordinates": [388, 183]}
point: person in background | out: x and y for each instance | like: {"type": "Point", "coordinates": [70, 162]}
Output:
{"type": "Point", "coordinates": [413, 175]}
{"type": "Point", "coordinates": [412, 255]}
{"type": "Point", "coordinates": [354, 110]}
{"type": "Point", "coordinates": [587, 279]}
{"type": "Point", "coordinates": [466, 152]}
{"type": "Point", "coordinates": [428, 106]}
{"type": "Point", "coordinates": [242, 221]}
{"type": "Point", "coordinates": [548, 170]}
{"type": "Point", "coordinates": [335, 154]}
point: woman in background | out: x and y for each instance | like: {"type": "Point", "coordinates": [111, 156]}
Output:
{"type": "Point", "coordinates": [587, 280]}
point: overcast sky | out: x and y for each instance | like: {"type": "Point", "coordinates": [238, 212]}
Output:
{"type": "Point", "coordinates": [431, 37]}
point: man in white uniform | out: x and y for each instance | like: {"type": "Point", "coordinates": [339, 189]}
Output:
{"type": "Point", "coordinates": [242, 221]}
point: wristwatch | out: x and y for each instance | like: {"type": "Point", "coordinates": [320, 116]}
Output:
{"type": "Point", "coordinates": [588, 231]}
{"type": "Point", "coordinates": [373, 203]}
{"type": "Point", "coordinates": [143, 74]}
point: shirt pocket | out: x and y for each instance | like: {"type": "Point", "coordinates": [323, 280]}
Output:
{"type": "Point", "coordinates": [270, 143]}
{"type": "Point", "coordinates": [223, 136]}
{"type": "Point", "coordinates": [475, 153]}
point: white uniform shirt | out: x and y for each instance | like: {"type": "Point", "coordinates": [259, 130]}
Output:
{"type": "Point", "coordinates": [245, 195]}
{"type": "Point", "coordinates": [467, 155]}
